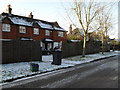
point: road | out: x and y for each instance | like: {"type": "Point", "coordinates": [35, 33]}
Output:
{"type": "Point", "coordinates": [98, 74]}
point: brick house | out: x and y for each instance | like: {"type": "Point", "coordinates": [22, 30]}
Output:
{"type": "Point", "coordinates": [75, 34]}
{"type": "Point", "coordinates": [78, 34]}
{"type": "Point", "coordinates": [27, 28]}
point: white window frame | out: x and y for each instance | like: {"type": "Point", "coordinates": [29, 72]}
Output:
{"type": "Point", "coordinates": [6, 27]}
{"type": "Point", "coordinates": [36, 31]}
{"type": "Point", "coordinates": [55, 44]}
{"type": "Point", "coordinates": [60, 34]}
{"type": "Point", "coordinates": [22, 29]}
{"type": "Point", "coordinates": [47, 32]}
{"type": "Point", "coordinates": [49, 46]}
{"type": "Point", "coordinates": [43, 46]}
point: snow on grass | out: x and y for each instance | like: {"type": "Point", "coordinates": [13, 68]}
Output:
{"type": "Point", "coordinates": [22, 69]}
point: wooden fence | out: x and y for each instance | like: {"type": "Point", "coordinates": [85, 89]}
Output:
{"type": "Point", "coordinates": [21, 51]}
{"type": "Point", "coordinates": [76, 48]}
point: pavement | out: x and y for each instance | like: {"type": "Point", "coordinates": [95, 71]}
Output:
{"type": "Point", "coordinates": [55, 79]}
{"type": "Point", "coordinates": [17, 71]}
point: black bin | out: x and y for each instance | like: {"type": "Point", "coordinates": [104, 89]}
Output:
{"type": "Point", "coordinates": [57, 56]}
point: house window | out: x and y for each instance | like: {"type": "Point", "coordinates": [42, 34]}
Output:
{"type": "Point", "coordinates": [22, 29]}
{"type": "Point", "coordinates": [60, 34]}
{"type": "Point", "coordinates": [43, 46]}
{"type": "Point", "coordinates": [6, 27]}
{"type": "Point", "coordinates": [47, 32]}
{"type": "Point", "coordinates": [55, 44]}
{"type": "Point", "coordinates": [36, 31]}
{"type": "Point", "coordinates": [49, 46]}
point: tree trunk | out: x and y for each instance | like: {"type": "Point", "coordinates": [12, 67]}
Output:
{"type": "Point", "coordinates": [102, 43]}
{"type": "Point", "coordinates": [84, 45]}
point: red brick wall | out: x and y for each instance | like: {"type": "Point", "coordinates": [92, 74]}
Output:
{"type": "Point", "coordinates": [42, 34]}
{"type": "Point", "coordinates": [34, 36]}
{"type": "Point", "coordinates": [11, 34]}
{"type": "Point", "coordinates": [57, 38]}
{"type": "Point", "coordinates": [0, 31]}
{"type": "Point", "coordinates": [14, 33]}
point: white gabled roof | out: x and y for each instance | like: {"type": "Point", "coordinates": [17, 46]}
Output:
{"type": "Point", "coordinates": [26, 39]}
{"type": "Point", "coordinates": [20, 21]}
{"type": "Point", "coordinates": [81, 31]}
{"type": "Point", "coordinates": [58, 28]}
{"type": "Point", "coordinates": [48, 39]}
{"type": "Point", "coordinates": [5, 39]}
{"type": "Point", "coordinates": [44, 25]}
{"type": "Point", "coordinates": [1, 17]}
{"type": "Point", "coordinates": [75, 40]}
{"type": "Point", "coordinates": [49, 26]}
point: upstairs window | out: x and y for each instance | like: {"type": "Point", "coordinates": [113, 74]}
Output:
{"type": "Point", "coordinates": [47, 32]}
{"type": "Point", "coordinates": [6, 27]}
{"type": "Point", "coordinates": [36, 31]}
{"type": "Point", "coordinates": [22, 29]}
{"type": "Point", "coordinates": [60, 34]}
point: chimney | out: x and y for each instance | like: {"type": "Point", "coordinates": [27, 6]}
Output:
{"type": "Point", "coordinates": [30, 16]}
{"type": "Point", "coordinates": [89, 36]}
{"type": "Point", "coordinates": [9, 9]}
{"type": "Point", "coordinates": [70, 30]}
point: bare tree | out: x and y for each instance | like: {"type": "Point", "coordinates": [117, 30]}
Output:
{"type": "Point", "coordinates": [86, 12]}
{"type": "Point", "coordinates": [105, 23]}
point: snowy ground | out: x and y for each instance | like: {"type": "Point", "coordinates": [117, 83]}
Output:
{"type": "Point", "coordinates": [22, 69]}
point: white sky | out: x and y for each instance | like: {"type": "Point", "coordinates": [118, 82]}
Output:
{"type": "Point", "coordinates": [49, 10]}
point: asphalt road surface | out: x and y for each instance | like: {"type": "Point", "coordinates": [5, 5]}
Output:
{"type": "Point", "coordinates": [98, 74]}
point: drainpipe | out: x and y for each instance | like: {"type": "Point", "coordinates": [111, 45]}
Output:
{"type": "Point", "coordinates": [1, 41]}
{"type": "Point", "coordinates": [53, 37]}
{"type": "Point", "coordinates": [1, 28]}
